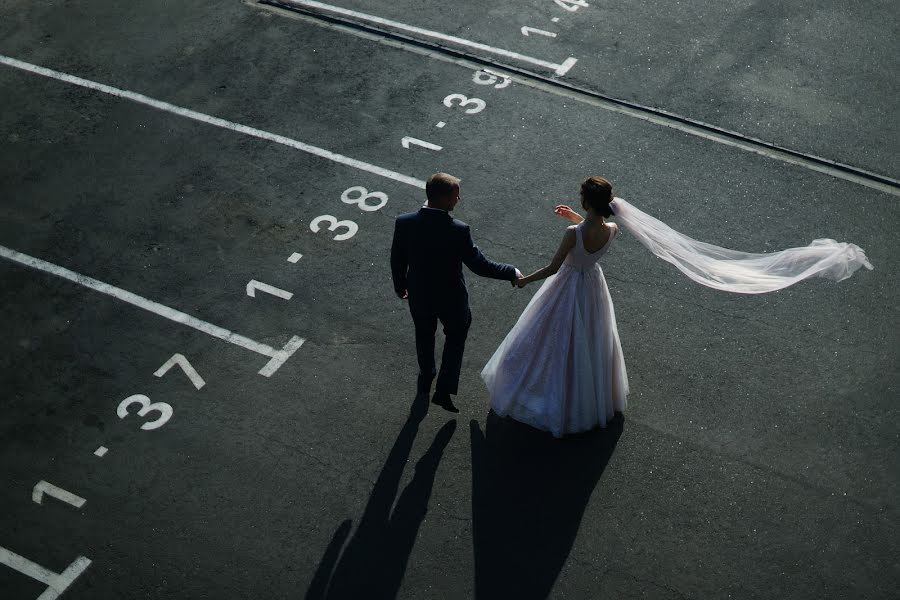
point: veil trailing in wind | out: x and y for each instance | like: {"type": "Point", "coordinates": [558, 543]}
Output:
{"type": "Point", "coordinates": [741, 272]}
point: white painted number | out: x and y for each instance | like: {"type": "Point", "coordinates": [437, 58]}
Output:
{"type": "Point", "coordinates": [184, 363]}
{"type": "Point", "coordinates": [254, 285]}
{"type": "Point", "coordinates": [333, 224]}
{"type": "Point", "coordinates": [405, 142]}
{"type": "Point", "coordinates": [45, 487]}
{"type": "Point", "coordinates": [572, 5]}
{"type": "Point", "coordinates": [463, 101]}
{"type": "Point", "coordinates": [485, 77]}
{"type": "Point", "coordinates": [527, 30]}
{"type": "Point", "coordinates": [164, 410]}
{"type": "Point", "coordinates": [363, 195]}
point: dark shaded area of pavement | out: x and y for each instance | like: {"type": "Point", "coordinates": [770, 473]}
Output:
{"type": "Point", "coordinates": [374, 561]}
{"type": "Point", "coordinates": [529, 494]}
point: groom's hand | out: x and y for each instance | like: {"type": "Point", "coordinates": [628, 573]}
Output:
{"type": "Point", "coordinates": [403, 294]}
{"type": "Point", "coordinates": [515, 282]}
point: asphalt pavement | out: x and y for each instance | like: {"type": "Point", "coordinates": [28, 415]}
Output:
{"type": "Point", "coordinates": [758, 455]}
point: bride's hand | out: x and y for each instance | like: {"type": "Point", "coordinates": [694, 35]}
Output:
{"type": "Point", "coordinates": [568, 214]}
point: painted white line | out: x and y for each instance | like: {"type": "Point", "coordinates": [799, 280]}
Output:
{"type": "Point", "coordinates": [26, 567]}
{"type": "Point", "coordinates": [566, 65]}
{"type": "Point", "coordinates": [661, 118]}
{"type": "Point", "coordinates": [62, 581]}
{"type": "Point", "coordinates": [45, 487]}
{"type": "Point", "coordinates": [559, 69]}
{"type": "Point", "coordinates": [210, 120]}
{"type": "Point", "coordinates": [282, 355]}
{"type": "Point", "coordinates": [151, 306]}
{"type": "Point", "coordinates": [56, 583]}
{"type": "Point", "coordinates": [254, 285]}
{"type": "Point", "coordinates": [296, 256]}
{"type": "Point", "coordinates": [101, 451]}
{"type": "Point", "coordinates": [181, 361]}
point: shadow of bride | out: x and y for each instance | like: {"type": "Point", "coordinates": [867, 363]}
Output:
{"type": "Point", "coordinates": [529, 493]}
{"type": "Point", "coordinates": [373, 562]}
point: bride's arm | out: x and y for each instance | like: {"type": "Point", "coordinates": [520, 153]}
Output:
{"type": "Point", "coordinates": [567, 243]}
{"type": "Point", "coordinates": [568, 214]}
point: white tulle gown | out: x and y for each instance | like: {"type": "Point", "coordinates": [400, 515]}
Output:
{"type": "Point", "coordinates": [561, 367]}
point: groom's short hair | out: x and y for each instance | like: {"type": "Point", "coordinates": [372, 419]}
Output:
{"type": "Point", "coordinates": [440, 185]}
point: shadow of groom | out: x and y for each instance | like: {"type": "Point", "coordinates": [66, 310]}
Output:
{"type": "Point", "coordinates": [529, 493]}
{"type": "Point", "coordinates": [374, 561]}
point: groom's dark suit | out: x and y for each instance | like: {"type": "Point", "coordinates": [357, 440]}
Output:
{"type": "Point", "coordinates": [427, 255]}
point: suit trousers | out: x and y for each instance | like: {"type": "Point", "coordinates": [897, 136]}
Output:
{"type": "Point", "coordinates": [456, 320]}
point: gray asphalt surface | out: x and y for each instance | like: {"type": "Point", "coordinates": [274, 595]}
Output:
{"type": "Point", "coordinates": [758, 456]}
{"type": "Point", "coordinates": [810, 75]}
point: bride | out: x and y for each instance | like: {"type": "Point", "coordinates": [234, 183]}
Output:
{"type": "Point", "coordinates": [561, 367]}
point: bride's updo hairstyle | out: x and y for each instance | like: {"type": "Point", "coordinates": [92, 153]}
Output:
{"type": "Point", "coordinates": [596, 194]}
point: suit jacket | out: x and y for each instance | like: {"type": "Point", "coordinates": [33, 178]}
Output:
{"type": "Point", "coordinates": [427, 255]}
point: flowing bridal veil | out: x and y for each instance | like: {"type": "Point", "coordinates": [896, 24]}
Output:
{"type": "Point", "coordinates": [741, 272]}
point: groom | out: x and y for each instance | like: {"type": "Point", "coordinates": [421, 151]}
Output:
{"type": "Point", "coordinates": [427, 255]}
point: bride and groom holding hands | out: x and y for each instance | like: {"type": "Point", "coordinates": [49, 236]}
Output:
{"type": "Point", "coordinates": [561, 367]}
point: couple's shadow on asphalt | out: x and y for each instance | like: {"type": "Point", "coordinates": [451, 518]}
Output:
{"type": "Point", "coordinates": [529, 493]}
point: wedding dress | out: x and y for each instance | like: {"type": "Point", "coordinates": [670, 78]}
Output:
{"type": "Point", "coordinates": [561, 368]}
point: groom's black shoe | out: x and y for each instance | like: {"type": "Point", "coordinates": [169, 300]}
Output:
{"type": "Point", "coordinates": [443, 400]}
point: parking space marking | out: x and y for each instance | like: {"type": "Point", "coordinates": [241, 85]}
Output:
{"type": "Point", "coordinates": [56, 583]}
{"type": "Point", "coordinates": [583, 95]}
{"type": "Point", "coordinates": [526, 31]}
{"type": "Point", "coordinates": [282, 355]}
{"type": "Point", "coordinates": [210, 120]}
{"type": "Point", "coordinates": [278, 357]}
{"type": "Point", "coordinates": [558, 68]}
{"type": "Point", "coordinates": [42, 488]}
{"type": "Point", "coordinates": [407, 141]}
{"type": "Point", "coordinates": [186, 367]}
{"type": "Point", "coordinates": [254, 285]}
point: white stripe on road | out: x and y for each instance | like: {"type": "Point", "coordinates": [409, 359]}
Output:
{"type": "Point", "coordinates": [25, 566]}
{"type": "Point", "coordinates": [61, 582]}
{"type": "Point", "coordinates": [56, 583]}
{"type": "Point", "coordinates": [210, 120]}
{"type": "Point", "coordinates": [559, 69]}
{"type": "Point", "coordinates": [278, 357]}
{"type": "Point", "coordinates": [655, 116]}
